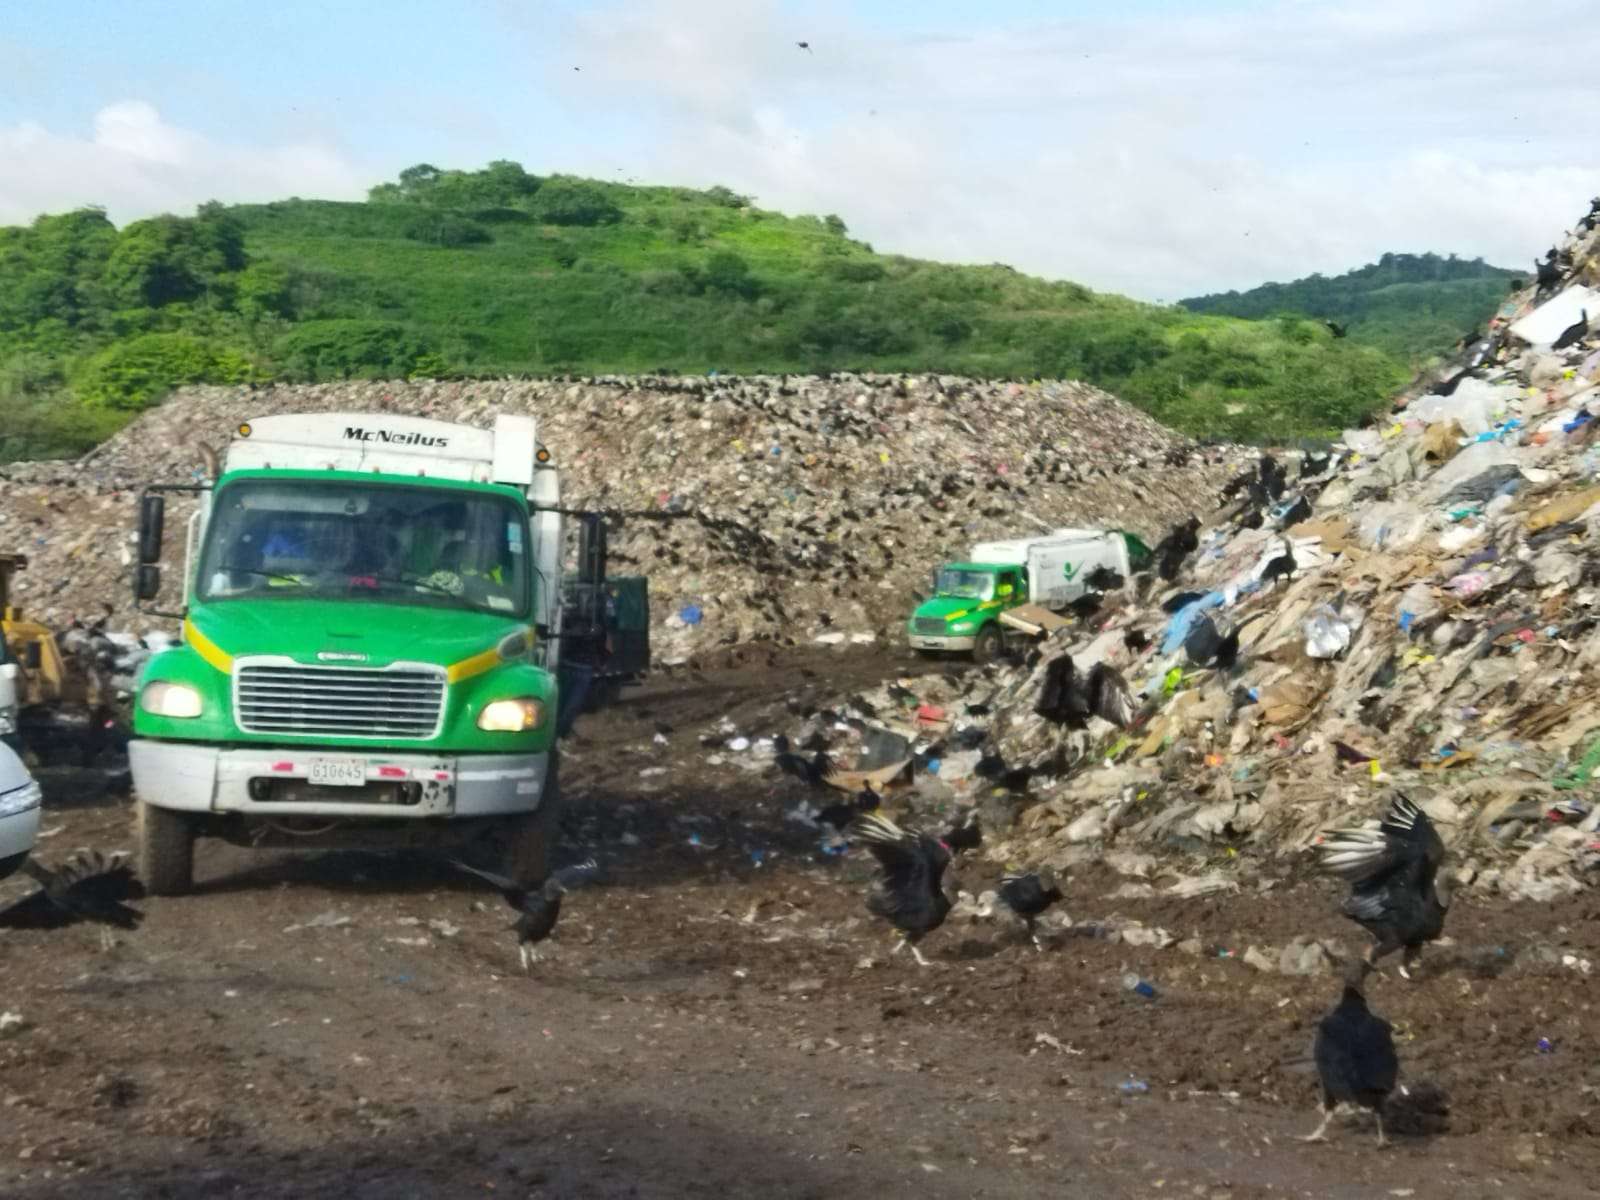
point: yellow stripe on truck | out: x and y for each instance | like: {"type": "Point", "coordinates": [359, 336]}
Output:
{"type": "Point", "coordinates": [207, 649]}
{"type": "Point", "coordinates": [476, 665]}
{"type": "Point", "coordinates": [507, 648]}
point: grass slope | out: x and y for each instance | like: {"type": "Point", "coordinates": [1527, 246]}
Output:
{"type": "Point", "coordinates": [449, 273]}
{"type": "Point", "coordinates": [1412, 306]}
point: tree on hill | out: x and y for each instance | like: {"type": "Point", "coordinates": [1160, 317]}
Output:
{"type": "Point", "coordinates": [1412, 305]}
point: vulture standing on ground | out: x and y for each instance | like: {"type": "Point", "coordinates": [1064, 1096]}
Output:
{"type": "Point", "coordinates": [1398, 895]}
{"type": "Point", "coordinates": [1028, 896]}
{"type": "Point", "coordinates": [1355, 1055]}
{"type": "Point", "coordinates": [539, 907]}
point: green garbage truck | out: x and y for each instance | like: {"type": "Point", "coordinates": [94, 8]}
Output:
{"type": "Point", "coordinates": [963, 613]}
{"type": "Point", "coordinates": [372, 635]}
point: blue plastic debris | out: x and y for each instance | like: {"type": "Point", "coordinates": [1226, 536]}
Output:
{"type": "Point", "coordinates": [1184, 619]}
{"type": "Point", "coordinates": [1133, 1087]}
{"type": "Point", "coordinates": [1406, 618]}
{"type": "Point", "coordinates": [933, 766]}
{"type": "Point", "coordinates": [690, 614]}
{"type": "Point", "coordinates": [1582, 418]}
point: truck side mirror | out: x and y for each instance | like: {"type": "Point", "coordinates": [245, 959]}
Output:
{"type": "Point", "coordinates": [152, 517]}
{"type": "Point", "coordinates": [147, 581]}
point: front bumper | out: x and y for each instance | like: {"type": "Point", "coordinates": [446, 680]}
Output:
{"type": "Point", "coordinates": [921, 641]}
{"type": "Point", "coordinates": [193, 777]}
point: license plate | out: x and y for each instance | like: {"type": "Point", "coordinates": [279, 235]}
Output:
{"type": "Point", "coordinates": [339, 772]}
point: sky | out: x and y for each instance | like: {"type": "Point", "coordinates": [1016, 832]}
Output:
{"type": "Point", "coordinates": [1156, 148]}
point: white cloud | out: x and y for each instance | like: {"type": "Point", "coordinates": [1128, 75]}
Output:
{"type": "Point", "coordinates": [1161, 155]}
{"type": "Point", "coordinates": [134, 163]}
{"type": "Point", "coordinates": [1152, 152]}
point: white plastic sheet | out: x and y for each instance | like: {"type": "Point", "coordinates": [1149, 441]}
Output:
{"type": "Point", "coordinates": [1546, 323]}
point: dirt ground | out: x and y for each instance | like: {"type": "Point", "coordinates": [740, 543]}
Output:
{"type": "Point", "coordinates": [720, 1018]}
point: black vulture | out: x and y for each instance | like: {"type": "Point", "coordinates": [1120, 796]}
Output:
{"type": "Point", "coordinates": [1028, 896]}
{"type": "Point", "coordinates": [909, 892]}
{"type": "Point", "coordinates": [1355, 1056]}
{"type": "Point", "coordinates": [538, 907]}
{"type": "Point", "coordinates": [1398, 895]}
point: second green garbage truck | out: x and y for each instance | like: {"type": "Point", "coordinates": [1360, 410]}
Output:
{"type": "Point", "coordinates": [963, 613]}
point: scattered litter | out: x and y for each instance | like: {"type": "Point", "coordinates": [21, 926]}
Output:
{"type": "Point", "coordinates": [1137, 986]}
{"type": "Point", "coordinates": [1055, 1043]}
{"type": "Point", "coordinates": [324, 920]}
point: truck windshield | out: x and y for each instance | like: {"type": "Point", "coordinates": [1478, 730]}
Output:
{"type": "Point", "coordinates": [973, 585]}
{"type": "Point", "coordinates": [390, 544]}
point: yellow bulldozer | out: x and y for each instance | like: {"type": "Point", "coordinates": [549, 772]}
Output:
{"type": "Point", "coordinates": [58, 699]}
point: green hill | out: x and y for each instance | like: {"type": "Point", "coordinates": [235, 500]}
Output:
{"type": "Point", "coordinates": [1413, 306]}
{"type": "Point", "coordinates": [453, 273]}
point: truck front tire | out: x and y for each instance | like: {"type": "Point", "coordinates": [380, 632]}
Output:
{"type": "Point", "coordinates": [986, 646]}
{"type": "Point", "coordinates": [526, 841]}
{"type": "Point", "coordinates": [166, 851]}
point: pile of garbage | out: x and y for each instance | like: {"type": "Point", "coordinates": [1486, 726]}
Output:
{"type": "Point", "coordinates": [1414, 608]}
{"type": "Point", "coordinates": [797, 509]}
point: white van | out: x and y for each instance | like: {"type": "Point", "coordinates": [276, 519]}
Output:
{"type": "Point", "coordinates": [19, 811]}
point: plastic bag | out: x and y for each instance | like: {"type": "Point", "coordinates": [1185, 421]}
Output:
{"type": "Point", "coordinates": [1327, 633]}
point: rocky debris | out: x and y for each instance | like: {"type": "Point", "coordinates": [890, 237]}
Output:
{"type": "Point", "coordinates": [791, 509]}
{"type": "Point", "coordinates": [1414, 607]}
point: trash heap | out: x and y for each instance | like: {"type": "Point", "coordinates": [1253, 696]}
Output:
{"type": "Point", "coordinates": [1414, 608]}
{"type": "Point", "coordinates": [796, 509]}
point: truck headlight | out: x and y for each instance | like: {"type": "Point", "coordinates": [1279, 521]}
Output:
{"type": "Point", "coordinates": [961, 626]}
{"type": "Point", "coordinates": [512, 716]}
{"type": "Point", "coordinates": [164, 699]}
{"type": "Point", "coordinates": [20, 800]}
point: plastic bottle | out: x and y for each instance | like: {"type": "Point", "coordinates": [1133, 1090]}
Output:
{"type": "Point", "coordinates": [1138, 986]}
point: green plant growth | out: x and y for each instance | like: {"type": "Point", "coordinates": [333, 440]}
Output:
{"type": "Point", "coordinates": [479, 273]}
{"type": "Point", "coordinates": [1413, 306]}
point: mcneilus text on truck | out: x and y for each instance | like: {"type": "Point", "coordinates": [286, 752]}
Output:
{"type": "Point", "coordinates": [371, 638]}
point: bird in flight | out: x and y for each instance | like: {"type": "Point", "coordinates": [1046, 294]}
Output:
{"type": "Point", "coordinates": [806, 46]}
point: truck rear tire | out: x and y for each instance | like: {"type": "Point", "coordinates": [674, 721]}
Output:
{"type": "Point", "coordinates": [986, 646]}
{"type": "Point", "coordinates": [166, 850]}
{"type": "Point", "coordinates": [526, 841]}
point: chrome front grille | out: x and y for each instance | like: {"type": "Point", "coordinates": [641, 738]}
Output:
{"type": "Point", "coordinates": [930, 626]}
{"type": "Point", "coordinates": [280, 696]}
